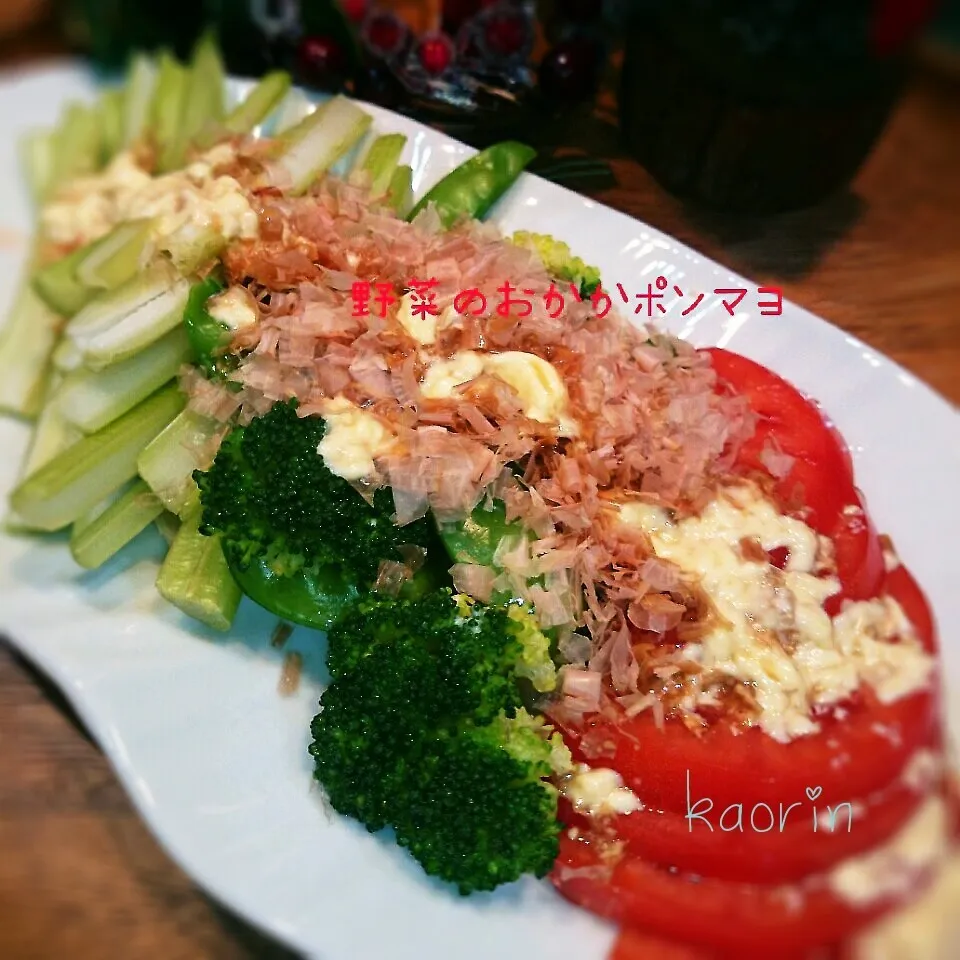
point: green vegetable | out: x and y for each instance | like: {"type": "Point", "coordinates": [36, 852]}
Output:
{"type": "Point", "coordinates": [111, 123]}
{"type": "Point", "coordinates": [400, 192]}
{"type": "Point", "coordinates": [37, 161]}
{"type": "Point", "coordinates": [91, 469]}
{"type": "Point", "coordinates": [423, 728]}
{"type": "Point", "coordinates": [166, 111]}
{"type": "Point", "coordinates": [203, 98]}
{"type": "Point", "coordinates": [52, 432]}
{"type": "Point", "coordinates": [471, 189]}
{"type": "Point", "coordinates": [168, 463]}
{"type": "Point", "coordinates": [195, 577]}
{"type": "Point", "coordinates": [282, 513]}
{"type": "Point", "coordinates": [139, 89]}
{"type": "Point", "coordinates": [208, 337]}
{"type": "Point", "coordinates": [477, 538]}
{"type": "Point", "coordinates": [26, 341]}
{"type": "Point", "coordinates": [559, 261]}
{"type": "Point", "coordinates": [315, 144]}
{"type": "Point", "coordinates": [58, 287]}
{"type": "Point", "coordinates": [257, 104]}
{"type": "Point", "coordinates": [67, 285]}
{"type": "Point", "coordinates": [90, 399]}
{"type": "Point", "coordinates": [380, 162]}
{"type": "Point", "coordinates": [94, 543]}
{"type": "Point", "coordinates": [119, 323]}
{"type": "Point", "coordinates": [78, 146]}
{"type": "Point", "coordinates": [115, 258]}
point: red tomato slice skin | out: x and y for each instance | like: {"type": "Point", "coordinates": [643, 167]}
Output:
{"type": "Point", "coordinates": [820, 482]}
{"type": "Point", "coordinates": [858, 752]}
{"type": "Point", "coordinates": [740, 919]}
{"type": "Point", "coordinates": [772, 845]}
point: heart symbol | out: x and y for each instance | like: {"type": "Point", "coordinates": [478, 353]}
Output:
{"type": "Point", "coordinates": [813, 793]}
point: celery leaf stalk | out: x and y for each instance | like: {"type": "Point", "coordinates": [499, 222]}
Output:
{"type": "Point", "coordinates": [317, 143]}
{"type": "Point", "coordinates": [95, 542]}
{"type": "Point", "coordinates": [168, 463]}
{"type": "Point", "coordinates": [26, 342]}
{"type": "Point", "coordinates": [258, 103]}
{"type": "Point", "coordinates": [380, 162]}
{"type": "Point", "coordinates": [139, 89]}
{"type": "Point", "coordinates": [195, 577]}
{"type": "Point", "coordinates": [400, 192]}
{"type": "Point", "coordinates": [88, 471]}
{"type": "Point", "coordinates": [91, 399]}
{"type": "Point", "coordinates": [121, 322]}
{"type": "Point", "coordinates": [166, 112]}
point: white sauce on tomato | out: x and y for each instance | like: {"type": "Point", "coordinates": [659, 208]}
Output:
{"type": "Point", "coordinates": [771, 632]}
{"type": "Point", "coordinates": [599, 791]}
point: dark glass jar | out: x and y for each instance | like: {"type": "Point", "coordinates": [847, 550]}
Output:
{"type": "Point", "coordinates": [761, 106]}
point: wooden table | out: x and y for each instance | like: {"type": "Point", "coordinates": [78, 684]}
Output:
{"type": "Point", "coordinates": [80, 877]}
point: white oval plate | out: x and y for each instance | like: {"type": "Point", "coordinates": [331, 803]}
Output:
{"type": "Point", "coordinates": [217, 762]}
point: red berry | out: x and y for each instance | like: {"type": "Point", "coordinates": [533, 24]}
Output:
{"type": "Point", "coordinates": [355, 10]}
{"type": "Point", "coordinates": [321, 61]}
{"type": "Point", "coordinates": [385, 34]}
{"type": "Point", "coordinates": [435, 53]}
{"type": "Point", "coordinates": [505, 33]}
{"type": "Point", "coordinates": [571, 70]}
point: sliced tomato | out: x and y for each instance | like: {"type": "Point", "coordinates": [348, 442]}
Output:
{"type": "Point", "coordinates": [820, 481]}
{"type": "Point", "coordinates": [760, 844]}
{"type": "Point", "coordinates": [633, 944]}
{"type": "Point", "coordinates": [732, 918]}
{"type": "Point", "coordinates": [858, 751]}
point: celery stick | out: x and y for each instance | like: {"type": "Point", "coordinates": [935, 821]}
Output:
{"type": "Point", "coordinates": [294, 108]}
{"type": "Point", "coordinates": [167, 464]}
{"type": "Point", "coordinates": [68, 284]}
{"type": "Point", "coordinates": [93, 543]}
{"type": "Point", "coordinates": [52, 434]}
{"type": "Point", "coordinates": [168, 524]}
{"type": "Point", "coordinates": [258, 103]}
{"type": "Point", "coordinates": [121, 322]}
{"type": "Point", "coordinates": [317, 142]}
{"type": "Point", "coordinates": [94, 513]}
{"type": "Point", "coordinates": [66, 356]}
{"type": "Point", "coordinates": [111, 123]}
{"type": "Point", "coordinates": [202, 100]}
{"type": "Point", "coordinates": [37, 161]}
{"type": "Point", "coordinates": [91, 399]}
{"type": "Point", "coordinates": [195, 577]}
{"type": "Point", "coordinates": [26, 340]}
{"type": "Point", "coordinates": [116, 257]}
{"type": "Point", "coordinates": [380, 161]}
{"type": "Point", "coordinates": [400, 194]}
{"type": "Point", "coordinates": [57, 284]}
{"type": "Point", "coordinates": [166, 112]}
{"type": "Point", "coordinates": [138, 97]}
{"type": "Point", "coordinates": [78, 144]}
{"type": "Point", "coordinates": [190, 248]}
{"type": "Point", "coordinates": [86, 472]}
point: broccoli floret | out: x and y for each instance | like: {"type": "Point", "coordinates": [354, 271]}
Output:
{"type": "Point", "coordinates": [424, 729]}
{"type": "Point", "coordinates": [283, 516]}
{"type": "Point", "coordinates": [559, 260]}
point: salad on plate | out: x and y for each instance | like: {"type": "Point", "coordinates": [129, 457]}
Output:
{"type": "Point", "coordinates": [599, 607]}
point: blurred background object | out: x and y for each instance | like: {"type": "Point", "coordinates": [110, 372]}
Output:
{"type": "Point", "coordinates": [18, 15]}
{"type": "Point", "coordinates": [752, 106]}
{"type": "Point", "coordinates": [761, 106]}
